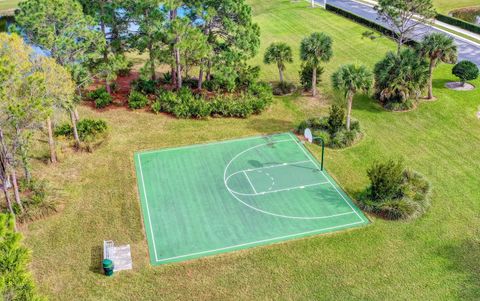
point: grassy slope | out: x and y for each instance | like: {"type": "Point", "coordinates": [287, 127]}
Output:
{"type": "Point", "coordinates": [435, 257]}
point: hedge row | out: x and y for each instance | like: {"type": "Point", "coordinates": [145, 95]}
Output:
{"type": "Point", "coordinates": [459, 23]}
{"type": "Point", "coordinates": [368, 23]}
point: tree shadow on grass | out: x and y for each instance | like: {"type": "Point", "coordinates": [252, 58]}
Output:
{"type": "Point", "coordinates": [439, 84]}
{"type": "Point", "coordinates": [464, 258]}
{"type": "Point", "coordinates": [96, 256]}
{"type": "Point", "coordinates": [367, 103]}
{"type": "Point", "coordinates": [270, 125]}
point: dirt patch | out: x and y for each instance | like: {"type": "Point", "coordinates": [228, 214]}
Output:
{"type": "Point", "coordinates": [458, 86]}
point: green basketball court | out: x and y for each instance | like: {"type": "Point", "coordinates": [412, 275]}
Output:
{"type": "Point", "coordinates": [214, 198]}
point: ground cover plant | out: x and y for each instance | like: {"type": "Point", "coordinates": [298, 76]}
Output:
{"type": "Point", "coordinates": [332, 129]}
{"type": "Point", "coordinates": [429, 258]}
{"type": "Point", "coordinates": [396, 192]}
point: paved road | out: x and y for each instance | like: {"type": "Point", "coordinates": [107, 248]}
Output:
{"type": "Point", "coordinates": [466, 50]}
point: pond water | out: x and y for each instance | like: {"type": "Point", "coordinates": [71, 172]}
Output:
{"type": "Point", "coordinates": [469, 14]}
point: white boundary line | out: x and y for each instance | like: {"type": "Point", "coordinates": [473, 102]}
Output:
{"type": "Point", "coordinates": [250, 243]}
{"type": "Point", "coordinates": [348, 203]}
{"type": "Point", "coordinates": [271, 166]}
{"type": "Point", "coordinates": [148, 207]}
{"type": "Point", "coordinates": [260, 241]}
{"type": "Point", "coordinates": [280, 190]}
{"type": "Point", "coordinates": [208, 144]}
{"type": "Point", "coordinates": [271, 213]}
{"type": "Point", "coordinates": [250, 182]}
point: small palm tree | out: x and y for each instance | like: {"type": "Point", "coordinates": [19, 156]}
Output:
{"type": "Point", "coordinates": [437, 47]}
{"type": "Point", "coordinates": [315, 49]}
{"type": "Point", "coordinates": [352, 79]}
{"type": "Point", "coordinates": [279, 53]}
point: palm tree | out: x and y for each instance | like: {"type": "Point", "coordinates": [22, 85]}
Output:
{"type": "Point", "coordinates": [399, 78]}
{"type": "Point", "coordinates": [279, 53]}
{"type": "Point", "coordinates": [315, 49]}
{"type": "Point", "coordinates": [437, 47]}
{"type": "Point", "coordinates": [352, 79]}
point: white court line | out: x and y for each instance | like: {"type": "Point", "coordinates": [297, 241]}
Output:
{"type": "Point", "coordinates": [263, 211]}
{"type": "Point", "coordinates": [304, 151]}
{"type": "Point", "coordinates": [146, 203]}
{"type": "Point", "coordinates": [272, 166]}
{"type": "Point", "coordinates": [211, 143]}
{"type": "Point", "coordinates": [259, 241]}
{"type": "Point", "coordinates": [280, 190]}
{"type": "Point", "coordinates": [250, 182]}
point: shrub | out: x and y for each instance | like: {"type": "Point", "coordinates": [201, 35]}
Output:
{"type": "Point", "coordinates": [88, 129]}
{"type": "Point", "coordinates": [395, 192]}
{"type": "Point", "coordinates": [465, 71]}
{"type": "Point", "coordinates": [247, 76]}
{"type": "Point", "coordinates": [336, 119]}
{"type": "Point", "coordinates": [157, 107]}
{"type": "Point", "coordinates": [103, 101]}
{"type": "Point", "coordinates": [144, 86]}
{"type": "Point", "coordinates": [137, 100]}
{"type": "Point", "coordinates": [126, 69]}
{"type": "Point", "coordinates": [306, 76]}
{"type": "Point", "coordinates": [386, 180]}
{"type": "Point", "coordinates": [101, 97]}
{"type": "Point", "coordinates": [334, 126]}
{"type": "Point", "coordinates": [283, 88]}
{"type": "Point", "coordinates": [93, 95]}
{"type": "Point", "coordinates": [400, 79]}
{"type": "Point", "coordinates": [15, 281]}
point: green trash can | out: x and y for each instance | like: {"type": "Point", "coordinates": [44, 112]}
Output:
{"type": "Point", "coordinates": [108, 267]}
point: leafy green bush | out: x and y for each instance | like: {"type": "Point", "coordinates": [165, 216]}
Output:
{"type": "Point", "coordinates": [465, 71]}
{"type": "Point", "coordinates": [336, 119]}
{"type": "Point", "coordinates": [306, 76]}
{"type": "Point", "coordinates": [88, 129]}
{"type": "Point", "coordinates": [93, 95]}
{"type": "Point", "coordinates": [15, 281]}
{"type": "Point", "coordinates": [283, 88]}
{"type": "Point", "coordinates": [144, 86]}
{"type": "Point", "coordinates": [184, 104]}
{"type": "Point", "coordinates": [137, 100]}
{"type": "Point", "coordinates": [101, 97]}
{"type": "Point", "coordinates": [156, 107]}
{"type": "Point", "coordinates": [386, 180]}
{"type": "Point", "coordinates": [395, 192]}
{"type": "Point", "coordinates": [400, 79]}
{"type": "Point", "coordinates": [103, 101]}
{"type": "Point", "coordinates": [334, 127]}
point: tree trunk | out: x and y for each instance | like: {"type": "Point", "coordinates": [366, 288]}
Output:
{"type": "Point", "coordinates": [178, 66]}
{"type": "Point", "coordinates": [51, 142]}
{"type": "Point", "coordinates": [26, 164]}
{"type": "Point", "coordinates": [152, 62]}
{"type": "Point", "coordinates": [7, 198]}
{"type": "Point", "coordinates": [349, 109]}
{"type": "Point", "coordinates": [105, 52]}
{"type": "Point", "coordinates": [209, 70]}
{"type": "Point", "coordinates": [314, 81]}
{"type": "Point", "coordinates": [280, 72]}
{"type": "Point", "coordinates": [430, 78]}
{"type": "Point", "coordinates": [77, 116]}
{"type": "Point", "coordinates": [16, 192]}
{"type": "Point", "coordinates": [200, 78]}
{"type": "Point", "coordinates": [75, 130]}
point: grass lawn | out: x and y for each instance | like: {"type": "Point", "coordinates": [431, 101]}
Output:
{"type": "Point", "coordinates": [8, 4]}
{"type": "Point", "coordinates": [444, 6]}
{"type": "Point", "coordinates": [433, 258]}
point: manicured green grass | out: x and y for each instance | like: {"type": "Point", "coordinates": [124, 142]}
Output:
{"type": "Point", "coordinates": [444, 6]}
{"type": "Point", "coordinates": [8, 4]}
{"type": "Point", "coordinates": [433, 258]}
